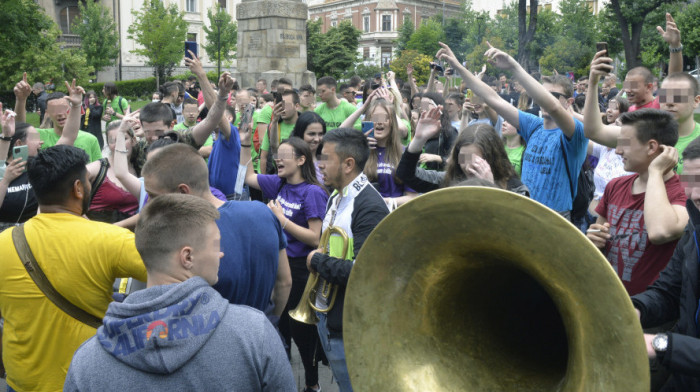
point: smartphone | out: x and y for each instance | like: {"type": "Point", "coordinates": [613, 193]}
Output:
{"type": "Point", "coordinates": [190, 46]}
{"type": "Point", "coordinates": [366, 126]}
{"type": "Point", "coordinates": [601, 46]}
{"type": "Point", "coordinates": [20, 152]}
{"type": "Point", "coordinates": [278, 97]}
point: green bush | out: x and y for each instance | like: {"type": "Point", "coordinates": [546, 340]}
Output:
{"type": "Point", "coordinates": [136, 89]}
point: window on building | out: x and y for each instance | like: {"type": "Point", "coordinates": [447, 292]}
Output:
{"type": "Point", "coordinates": [334, 23]}
{"type": "Point", "coordinates": [68, 14]}
{"type": "Point", "coordinates": [192, 37]}
{"type": "Point", "coordinates": [365, 53]}
{"type": "Point", "coordinates": [386, 22]}
{"type": "Point", "coordinates": [222, 4]}
{"type": "Point", "coordinates": [191, 5]}
{"type": "Point", "coordinates": [365, 23]}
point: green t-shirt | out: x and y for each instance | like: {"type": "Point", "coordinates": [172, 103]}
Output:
{"type": "Point", "coordinates": [335, 117]}
{"type": "Point", "coordinates": [284, 131]}
{"type": "Point", "coordinates": [86, 141]}
{"type": "Point", "coordinates": [265, 115]}
{"type": "Point", "coordinates": [407, 140]}
{"type": "Point", "coordinates": [683, 143]}
{"type": "Point", "coordinates": [515, 156]}
{"type": "Point", "coordinates": [119, 104]}
{"type": "Point", "coordinates": [254, 154]}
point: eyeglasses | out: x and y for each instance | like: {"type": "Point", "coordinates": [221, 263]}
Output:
{"type": "Point", "coordinates": [558, 95]}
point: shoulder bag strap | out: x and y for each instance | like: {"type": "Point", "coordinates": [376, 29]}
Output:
{"type": "Point", "coordinates": [568, 174]}
{"type": "Point", "coordinates": [99, 179]}
{"type": "Point", "coordinates": [30, 264]}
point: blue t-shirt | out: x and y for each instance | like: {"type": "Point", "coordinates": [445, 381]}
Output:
{"type": "Point", "coordinates": [223, 162]}
{"type": "Point", "coordinates": [251, 238]}
{"type": "Point", "coordinates": [543, 169]}
{"type": "Point", "coordinates": [300, 202]}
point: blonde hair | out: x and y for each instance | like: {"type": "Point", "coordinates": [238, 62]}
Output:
{"type": "Point", "coordinates": [394, 148]}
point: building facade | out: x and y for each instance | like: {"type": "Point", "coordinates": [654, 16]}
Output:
{"type": "Point", "coordinates": [495, 7]}
{"type": "Point", "coordinates": [379, 21]}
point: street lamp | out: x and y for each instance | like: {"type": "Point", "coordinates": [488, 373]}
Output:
{"type": "Point", "coordinates": [480, 21]}
{"type": "Point", "coordinates": [218, 21]}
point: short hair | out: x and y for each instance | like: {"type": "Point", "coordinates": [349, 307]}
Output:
{"type": "Point", "coordinates": [263, 81]}
{"type": "Point", "coordinates": [191, 78]}
{"type": "Point", "coordinates": [169, 88]}
{"type": "Point", "coordinates": [692, 151]}
{"type": "Point", "coordinates": [170, 222]}
{"type": "Point", "coordinates": [355, 81]}
{"type": "Point", "coordinates": [54, 170]}
{"type": "Point", "coordinates": [343, 87]}
{"type": "Point", "coordinates": [682, 76]}
{"type": "Point", "coordinates": [38, 85]}
{"type": "Point", "coordinates": [190, 101]}
{"type": "Point", "coordinates": [267, 97]}
{"type": "Point", "coordinates": [111, 89]}
{"type": "Point", "coordinates": [459, 98]}
{"type": "Point", "coordinates": [653, 124]}
{"type": "Point", "coordinates": [274, 83]}
{"type": "Point", "coordinates": [165, 141]}
{"type": "Point", "coordinates": [349, 143]}
{"type": "Point", "coordinates": [178, 164]}
{"type": "Point", "coordinates": [308, 88]}
{"type": "Point", "coordinates": [232, 112]}
{"type": "Point", "coordinates": [561, 81]}
{"type": "Point", "coordinates": [623, 105]}
{"type": "Point", "coordinates": [327, 81]}
{"type": "Point", "coordinates": [295, 96]}
{"type": "Point", "coordinates": [285, 81]}
{"type": "Point", "coordinates": [156, 111]}
{"type": "Point", "coordinates": [54, 96]}
{"type": "Point", "coordinates": [643, 72]}
{"type": "Point", "coordinates": [582, 78]}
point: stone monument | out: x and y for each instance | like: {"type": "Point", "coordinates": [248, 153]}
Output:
{"type": "Point", "coordinates": [272, 42]}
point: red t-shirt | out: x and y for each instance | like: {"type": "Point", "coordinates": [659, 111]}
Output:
{"type": "Point", "coordinates": [653, 104]}
{"type": "Point", "coordinates": [636, 260]}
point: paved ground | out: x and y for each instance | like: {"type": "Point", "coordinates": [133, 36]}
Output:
{"type": "Point", "coordinates": [324, 375]}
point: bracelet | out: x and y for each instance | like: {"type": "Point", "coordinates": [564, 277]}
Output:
{"type": "Point", "coordinates": [122, 151]}
{"type": "Point", "coordinates": [285, 223]}
{"type": "Point", "coordinates": [6, 138]}
{"type": "Point", "coordinates": [245, 145]}
{"type": "Point", "coordinates": [675, 50]}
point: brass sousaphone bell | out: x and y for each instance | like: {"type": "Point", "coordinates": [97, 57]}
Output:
{"type": "Point", "coordinates": [480, 289]}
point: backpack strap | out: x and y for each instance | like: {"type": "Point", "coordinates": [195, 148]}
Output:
{"type": "Point", "coordinates": [568, 174]}
{"type": "Point", "coordinates": [42, 282]}
{"type": "Point", "coordinates": [99, 179]}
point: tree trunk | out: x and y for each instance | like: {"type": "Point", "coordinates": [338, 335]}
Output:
{"type": "Point", "coordinates": [632, 42]}
{"type": "Point", "coordinates": [526, 32]}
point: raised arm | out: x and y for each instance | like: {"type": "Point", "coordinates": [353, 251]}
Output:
{"type": "Point", "coordinates": [394, 91]}
{"type": "Point", "coordinates": [500, 105]}
{"type": "Point", "coordinates": [120, 161]}
{"type": "Point", "coordinates": [431, 79]}
{"type": "Point", "coordinates": [70, 130]}
{"type": "Point", "coordinates": [428, 127]}
{"type": "Point", "coordinates": [22, 90]}
{"type": "Point", "coordinates": [201, 131]}
{"type": "Point", "coordinates": [672, 36]}
{"type": "Point", "coordinates": [195, 66]}
{"type": "Point", "coordinates": [593, 127]}
{"type": "Point", "coordinates": [664, 221]}
{"type": "Point", "coordinates": [410, 81]}
{"type": "Point", "coordinates": [245, 159]}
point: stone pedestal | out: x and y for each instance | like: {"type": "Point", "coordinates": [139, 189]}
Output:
{"type": "Point", "coordinates": [272, 40]}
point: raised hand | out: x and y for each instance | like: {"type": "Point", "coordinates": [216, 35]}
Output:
{"type": "Point", "coordinates": [75, 94]}
{"type": "Point", "coordinates": [599, 234]}
{"type": "Point", "coordinates": [666, 161]}
{"type": "Point", "coordinates": [672, 35]}
{"type": "Point", "coordinates": [225, 84]}
{"type": "Point", "coordinates": [14, 169]}
{"type": "Point", "coordinates": [7, 121]}
{"type": "Point", "coordinates": [428, 125]}
{"type": "Point", "coordinates": [480, 168]}
{"type": "Point", "coordinates": [499, 58]}
{"type": "Point", "coordinates": [391, 76]}
{"type": "Point", "coordinates": [446, 54]}
{"type": "Point", "coordinates": [22, 88]}
{"type": "Point", "coordinates": [601, 65]}
{"type": "Point", "coordinates": [194, 64]}
{"type": "Point", "coordinates": [409, 70]}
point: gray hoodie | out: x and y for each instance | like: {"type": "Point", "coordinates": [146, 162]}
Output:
{"type": "Point", "coordinates": [181, 337]}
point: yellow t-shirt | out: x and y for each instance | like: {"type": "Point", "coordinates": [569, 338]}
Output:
{"type": "Point", "coordinates": [81, 259]}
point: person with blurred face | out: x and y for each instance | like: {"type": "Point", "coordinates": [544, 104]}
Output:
{"type": "Point", "coordinates": [639, 86]}
{"type": "Point", "coordinates": [58, 109]}
{"type": "Point", "coordinates": [680, 95]}
{"type": "Point", "coordinates": [333, 110]}
{"type": "Point", "coordinates": [307, 98]}
{"type": "Point", "coordinates": [286, 114]}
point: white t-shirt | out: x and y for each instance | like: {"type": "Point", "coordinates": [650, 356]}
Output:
{"type": "Point", "coordinates": [609, 166]}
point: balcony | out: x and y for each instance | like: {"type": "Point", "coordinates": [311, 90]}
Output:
{"type": "Point", "coordinates": [69, 41]}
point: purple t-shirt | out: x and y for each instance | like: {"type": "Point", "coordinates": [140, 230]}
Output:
{"type": "Point", "coordinates": [385, 177]}
{"type": "Point", "coordinates": [300, 203]}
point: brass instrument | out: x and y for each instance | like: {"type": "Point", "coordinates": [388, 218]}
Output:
{"type": "Point", "coordinates": [480, 289]}
{"type": "Point", "coordinates": [305, 310]}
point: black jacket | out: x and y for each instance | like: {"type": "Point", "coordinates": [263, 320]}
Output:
{"type": "Point", "coordinates": [675, 296]}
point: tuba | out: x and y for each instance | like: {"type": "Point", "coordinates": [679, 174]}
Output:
{"type": "Point", "coordinates": [317, 286]}
{"type": "Point", "coordinates": [480, 289]}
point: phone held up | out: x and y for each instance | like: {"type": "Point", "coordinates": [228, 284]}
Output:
{"type": "Point", "coordinates": [21, 152]}
{"type": "Point", "coordinates": [366, 126]}
{"type": "Point", "coordinates": [601, 46]}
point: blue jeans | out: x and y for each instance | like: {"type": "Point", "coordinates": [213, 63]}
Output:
{"type": "Point", "coordinates": [335, 352]}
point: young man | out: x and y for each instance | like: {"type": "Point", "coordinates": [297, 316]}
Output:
{"type": "Point", "coordinates": [261, 86]}
{"type": "Point", "coordinates": [639, 86]}
{"type": "Point", "coordinates": [254, 268]}
{"type": "Point", "coordinates": [264, 118]}
{"type": "Point", "coordinates": [642, 216]}
{"type": "Point", "coordinates": [179, 333]}
{"type": "Point", "coordinates": [348, 93]}
{"type": "Point", "coordinates": [356, 207]}
{"type": "Point", "coordinates": [307, 98]}
{"type": "Point", "coordinates": [81, 259]}
{"type": "Point", "coordinates": [190, 111]}
{"type": "Point", "coordinates": [581, 86]}
{"type": "Point", "coordinates": [556, 145]}
{"type": "Point", "coordinates": [224, 159]}
{"type": "Point", "coordinates": [674, 296]}
{"type": "Point", "coordinates": [41, 96]}
{"type": "Point", "coordinates": [286, 113]}
{"type": "Point", "coordinates": [333, 110]}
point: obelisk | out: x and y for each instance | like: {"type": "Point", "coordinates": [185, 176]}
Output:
{"type": "Point", "coordinates": [272, 42]}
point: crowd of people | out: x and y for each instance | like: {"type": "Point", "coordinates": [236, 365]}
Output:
{"type": "Point", "coordinates": [183, 242]}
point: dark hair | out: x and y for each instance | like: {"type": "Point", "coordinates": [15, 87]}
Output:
{"type": "Point", "coordinates": [285, 81]}
{"type": "Point", "coordinates": [653, 124]}
{"type": "Point", "coordinates": [305, 119]}
{"type": "Point", "coordinates": [110, 89]}
{"type": "Point", "coordinates": [178, 164]}
{"type": "Point", "coordinates": [327, 81]}
{"type": "Point", "coordinates": [263, 81]}
{"type": "Point", "coordinates": [579, 101]}
{"type": "Point", "coordinates": [56, 95]}
{"type": "Point", "coordinates": [160, 143]}
{"type": "Point", "coordinates": [410, 102]}
{"type": "Point", "coordinates": [169, 88]}
{"type": "Point", "coordinates": [20, 134]}
{"type": "Point", "coordinates": [308, 88]}
{"type": "Point", "coordinates": [156, 111]}
{"type": "Point", "coordinates": [160, 95]}
{"type": "Point", "coordinates": [475, 181]}
{"type": "Point", "coordinates": [170, 222]}
{"type": "Point", "coordinates": [485, 137]}
{"type": "Point", "coordinates": [343, 87]}
{"type": "Point", "coordinates": [643, 72]}
{"type": "Point", "coordinates": [445, 122]}
{"type": "Point", "coordinates": [190, 101]}
{"type": "Point", "coordinates": [232, 112]}
{"type": "Point", "coordinates": [301, 148]}
{"type": "Point", "coordinates": [191, 78]}
{"type": "Point", "coordinates": [561, 81]}
{"type": "Point", "coordinates": [694, 84]}
{"type": "Point", "coordinates": [274, 83]}
{"type": "Point", "coordinates": [692, 151]}
{"type": "Point", "coordinates": [295, 96]}
{"type": "Point", "coordinates": [355, 81]}
{"type": "Point", "coordinates": [267, 97]}
{"type": "Point", "coordinates": [349, 143]}
{"type": "Point", "coordinates": [623, 104]}
{"type": "Point", "coordinates": [457, 97]}
{"type": "Point", "coordinates": [54, 170]}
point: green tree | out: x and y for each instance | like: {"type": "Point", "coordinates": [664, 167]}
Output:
{"type": "Point", "coordinates": [425, 39]}
{"type": "Point", "coordinates": [333, 53]}
{"type": "Point", "coordinates": [220, 42]}
{"type": "Point", "coordinates": [690, 30]}
{"type": "Point", "coordinates": [161, 33]}
{"type": "Point", "coordinates": [420, 62]}
{"type": "Point", "coordinates": [314, 41]}
{"type": "Point", "coordinates": [28, 42]}
{"type": "Point", "coordinates": [405, 32]}
{"type": "Point", "coordinates": [98, 34]}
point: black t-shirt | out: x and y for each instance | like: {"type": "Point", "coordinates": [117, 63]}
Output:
{"type": "Point", "coordinates": [19, 204]}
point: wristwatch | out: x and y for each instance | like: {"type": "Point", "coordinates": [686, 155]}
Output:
{"type": "Point", "coordinates": [660, 342]}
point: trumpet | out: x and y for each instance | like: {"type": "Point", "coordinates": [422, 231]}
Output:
{"type": "Point", "coordinates": [317, 287]}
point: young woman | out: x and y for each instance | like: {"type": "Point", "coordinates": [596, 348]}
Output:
{"type": "Point", "coordinates": [515, 146]}
{"type": "Point", "coordinates": [478, 152]}
{"type": "Point", "coordinates": [299, 202]}
{"type": "Point", "coordinates": [112, 201]}
{"type": "Point", "coordinates": [438, 147]}
{"type": "Point", "coordinates": [92, 119]}
{"type": "Point", "coordinates": [310, 127]}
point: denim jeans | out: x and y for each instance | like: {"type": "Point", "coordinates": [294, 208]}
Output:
{"type": "Point", "coordinates": [335, 352]}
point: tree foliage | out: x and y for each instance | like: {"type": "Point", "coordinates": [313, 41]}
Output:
{"type": "Point", "coordinates": [161, 33]}
{"type": "Point", "coordinates": [690, 29]}
{"type": "Point", "coordinates": [226, 36]}
{"type": "Point", "coordinates": [333, 53]}
{"type": "Point", "coordinates": [420, 62]}
{"type": "Point", "coordinates": [98, 35]}
{"type": "Point", "coordinates": [405, 32]}
{"type": "Point", "coordinates": [425, 39]}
